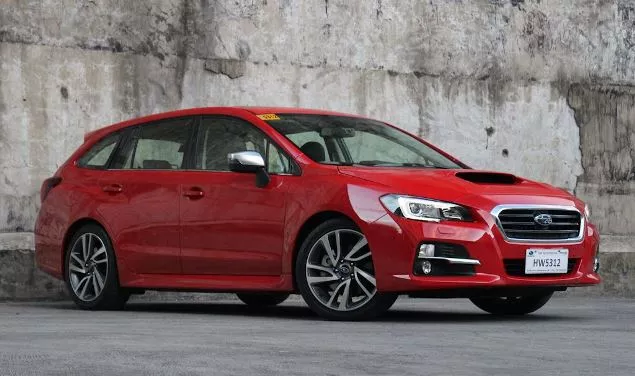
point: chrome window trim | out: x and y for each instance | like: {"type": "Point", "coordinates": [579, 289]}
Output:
{"type": "Point", "coordinates": [498, 209]}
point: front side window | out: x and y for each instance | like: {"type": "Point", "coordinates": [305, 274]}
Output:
{"type": "Point", "coordinates": [220, 136]}
{"type": "Point", "coordinates": [156, 146]}
{"type": "Point", "coordinates": [99, 154]}
{"type": "Point", "coordinates": [356, 141]}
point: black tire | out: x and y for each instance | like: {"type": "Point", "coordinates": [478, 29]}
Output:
{"type": "Point", "coordinates": [111, 296]}
{"type": "Point", "coordinates": [513, 305]}
{"type": "Point", "coordinates": [264, 299]}
{"type": "Point", "coordinates": [377, 305]}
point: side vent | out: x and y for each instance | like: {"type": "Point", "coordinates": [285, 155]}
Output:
{"type": "Point", "coordinates": [488, 178]}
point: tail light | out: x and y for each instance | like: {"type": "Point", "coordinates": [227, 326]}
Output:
{"type": "Point", "coordinates": [47, 185]}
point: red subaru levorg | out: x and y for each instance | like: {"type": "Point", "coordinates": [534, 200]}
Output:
{"type": "Point", "coordinates": [265, 202]}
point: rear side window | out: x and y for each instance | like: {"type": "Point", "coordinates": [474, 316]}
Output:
{"type": "Point", "coordinates": [156, 146]}
{"type": "Point", "coordinates": [99, 154]}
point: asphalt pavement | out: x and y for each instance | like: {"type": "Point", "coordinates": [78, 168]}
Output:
{"type": "Point", "coordinates": [569, 336]}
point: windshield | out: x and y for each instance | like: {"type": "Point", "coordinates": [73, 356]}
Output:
{"type": "Point", "coordinates": [356, 141]}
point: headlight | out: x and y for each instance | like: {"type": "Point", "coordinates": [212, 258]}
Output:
{"type": "Point", "coordinates": [587, 211]}
{"type": "Point", "coordinates": [422, 209]}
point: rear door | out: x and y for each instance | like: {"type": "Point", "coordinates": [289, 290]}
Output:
{"type": "Point", "coordinates": [230, 226]}
{"type": "Point", "coordinates": [143, 194]}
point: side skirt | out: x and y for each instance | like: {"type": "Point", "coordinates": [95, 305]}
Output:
{"type": "Point", "coordinates": [211, 283]}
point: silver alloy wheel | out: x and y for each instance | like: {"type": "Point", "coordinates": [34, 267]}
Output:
{"type": "Point", "coordinates": [339, 270]}
{"type": "Point", "coordinates": [88, 267]}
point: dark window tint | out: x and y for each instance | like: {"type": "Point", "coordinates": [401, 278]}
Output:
{"type": "Point", "coordinates": [220, 136]}
{"type": "Point", "coordinates": [99, 154]}
{"type": "Point", "coordinates": [156, 146]}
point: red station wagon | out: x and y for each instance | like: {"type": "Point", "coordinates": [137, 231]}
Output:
{"type": "Point", "coordinates": [266, 202]}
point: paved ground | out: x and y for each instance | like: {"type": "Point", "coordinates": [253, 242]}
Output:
{"type": "Point", "coordinates": [570, 336]}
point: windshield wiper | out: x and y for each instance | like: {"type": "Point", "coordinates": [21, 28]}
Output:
{"type": "Point", "coordinates": [397, 164]}
{"type": "Point", "coordinates": [374, 163]}
{"type": "Point", "coordinates": [414, 164]}
{"type": "Point", "coordinates": [335, 163]}
{"type": "Point", "coordinates": [377, 163]}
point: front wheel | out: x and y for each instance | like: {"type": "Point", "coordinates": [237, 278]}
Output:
{"type": "Point", "coordinates": [336, 276]}
{"type": "Point", "coordinates": [512, 305]}
{"type": "Point", "coordinates": [265, 299]}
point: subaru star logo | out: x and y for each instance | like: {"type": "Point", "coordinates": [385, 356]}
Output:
{"type": "Point", "coordinates": [543, 219]}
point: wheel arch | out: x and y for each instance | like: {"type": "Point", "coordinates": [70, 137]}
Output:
{"type": "Point", "coordinates": [308, 226]}
{"type": "Point", "coordinates": [72, 229]}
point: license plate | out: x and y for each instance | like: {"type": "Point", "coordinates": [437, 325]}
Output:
{"type": "Point", "coordinates": [546, 261]}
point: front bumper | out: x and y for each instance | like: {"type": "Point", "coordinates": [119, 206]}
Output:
{"type": "Point", "coordinates": [395, 242]}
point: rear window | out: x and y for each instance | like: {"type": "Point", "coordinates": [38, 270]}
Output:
{"type": "Point", "coordinates": [99, 154]}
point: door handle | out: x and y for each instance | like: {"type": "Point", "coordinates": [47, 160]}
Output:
{"type": "Point", "coordinates": [112, 188]}
{"type": "Point", "coordinates": [194, 193]}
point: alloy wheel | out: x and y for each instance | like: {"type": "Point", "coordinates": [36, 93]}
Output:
{"type": "Point", "coordinates": [339, 270]}
{"type": "Point", "coordinates": [88, 267]}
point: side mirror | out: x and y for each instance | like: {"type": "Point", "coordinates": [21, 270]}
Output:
{"type": "Point", "coordinates": [249, 161]}
{"type": "Point", "coordinates": [245, 161]}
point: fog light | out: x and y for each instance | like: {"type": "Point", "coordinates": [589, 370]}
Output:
{"type": "Point", "coordinates": [426, 267]}
{"type": "Point", "coordinates": [426, 250]}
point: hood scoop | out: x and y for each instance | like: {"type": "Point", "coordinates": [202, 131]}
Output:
{"type": "Point", "coordinates": [488, 178]}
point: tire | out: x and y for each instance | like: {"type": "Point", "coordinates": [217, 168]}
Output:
{"type": "Point", "coordinates": [91, 277]}
{"type": "Point", "coordinates": [339, 277]}
{"type": "Point", "coordinates": [262, 299]}
{"type": "Point", "coordinates": [513, 305]}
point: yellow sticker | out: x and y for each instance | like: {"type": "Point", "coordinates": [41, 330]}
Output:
{"type": "Point", "coordinates": [268, 117]}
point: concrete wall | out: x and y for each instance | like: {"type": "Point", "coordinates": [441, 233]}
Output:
{"type": "Point", "coordinates": [543, 89]}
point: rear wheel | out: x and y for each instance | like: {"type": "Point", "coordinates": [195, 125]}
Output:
{"type": "Point", "coordinates": [336, 276]}
{"type": "Point", "coordinates": [262, 299]}
{"type": "Point", "coordinates": [512, 305]}
{"type": "Point", "coordinates": [91, 270]}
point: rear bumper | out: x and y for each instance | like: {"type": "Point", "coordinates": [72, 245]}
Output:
{"type": "Point", "coordinates": [395, 241]}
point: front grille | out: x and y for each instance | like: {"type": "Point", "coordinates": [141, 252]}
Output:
{"type": "Point", "coordinates": [516, 267]}
{"type": "Point", "coordinates": [520, 224]}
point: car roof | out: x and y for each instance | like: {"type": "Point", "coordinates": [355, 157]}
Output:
{"type": "Point", "coordinates": [293, 110]}
{"type": "Point", "coordinates": [255, 110]}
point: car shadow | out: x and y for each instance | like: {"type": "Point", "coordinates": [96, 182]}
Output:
{"type": "Point", "coordinates": [463, 317]}
{"type": "Point", "coordinates": [230, 308]}
{"type": "Point", "coordinates": [299, 311]}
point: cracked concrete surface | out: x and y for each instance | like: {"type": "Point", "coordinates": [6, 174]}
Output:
{"type": "Point", "coordinates": [542, 89]}
{"type": "Point", "coordinates": [606, 116]}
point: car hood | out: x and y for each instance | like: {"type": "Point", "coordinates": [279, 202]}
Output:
{"type": "Point", "coordinates": [477, 188]}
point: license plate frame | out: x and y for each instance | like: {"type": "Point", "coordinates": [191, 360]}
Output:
{"type": "Point", "coordinates": [546, 261]}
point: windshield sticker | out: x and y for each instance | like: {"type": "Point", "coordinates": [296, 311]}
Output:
{"type": "Point", "coordinates": [268, 117]}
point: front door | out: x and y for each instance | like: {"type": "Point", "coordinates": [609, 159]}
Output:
{"type": "Point", "coordinates": [229, 226]}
